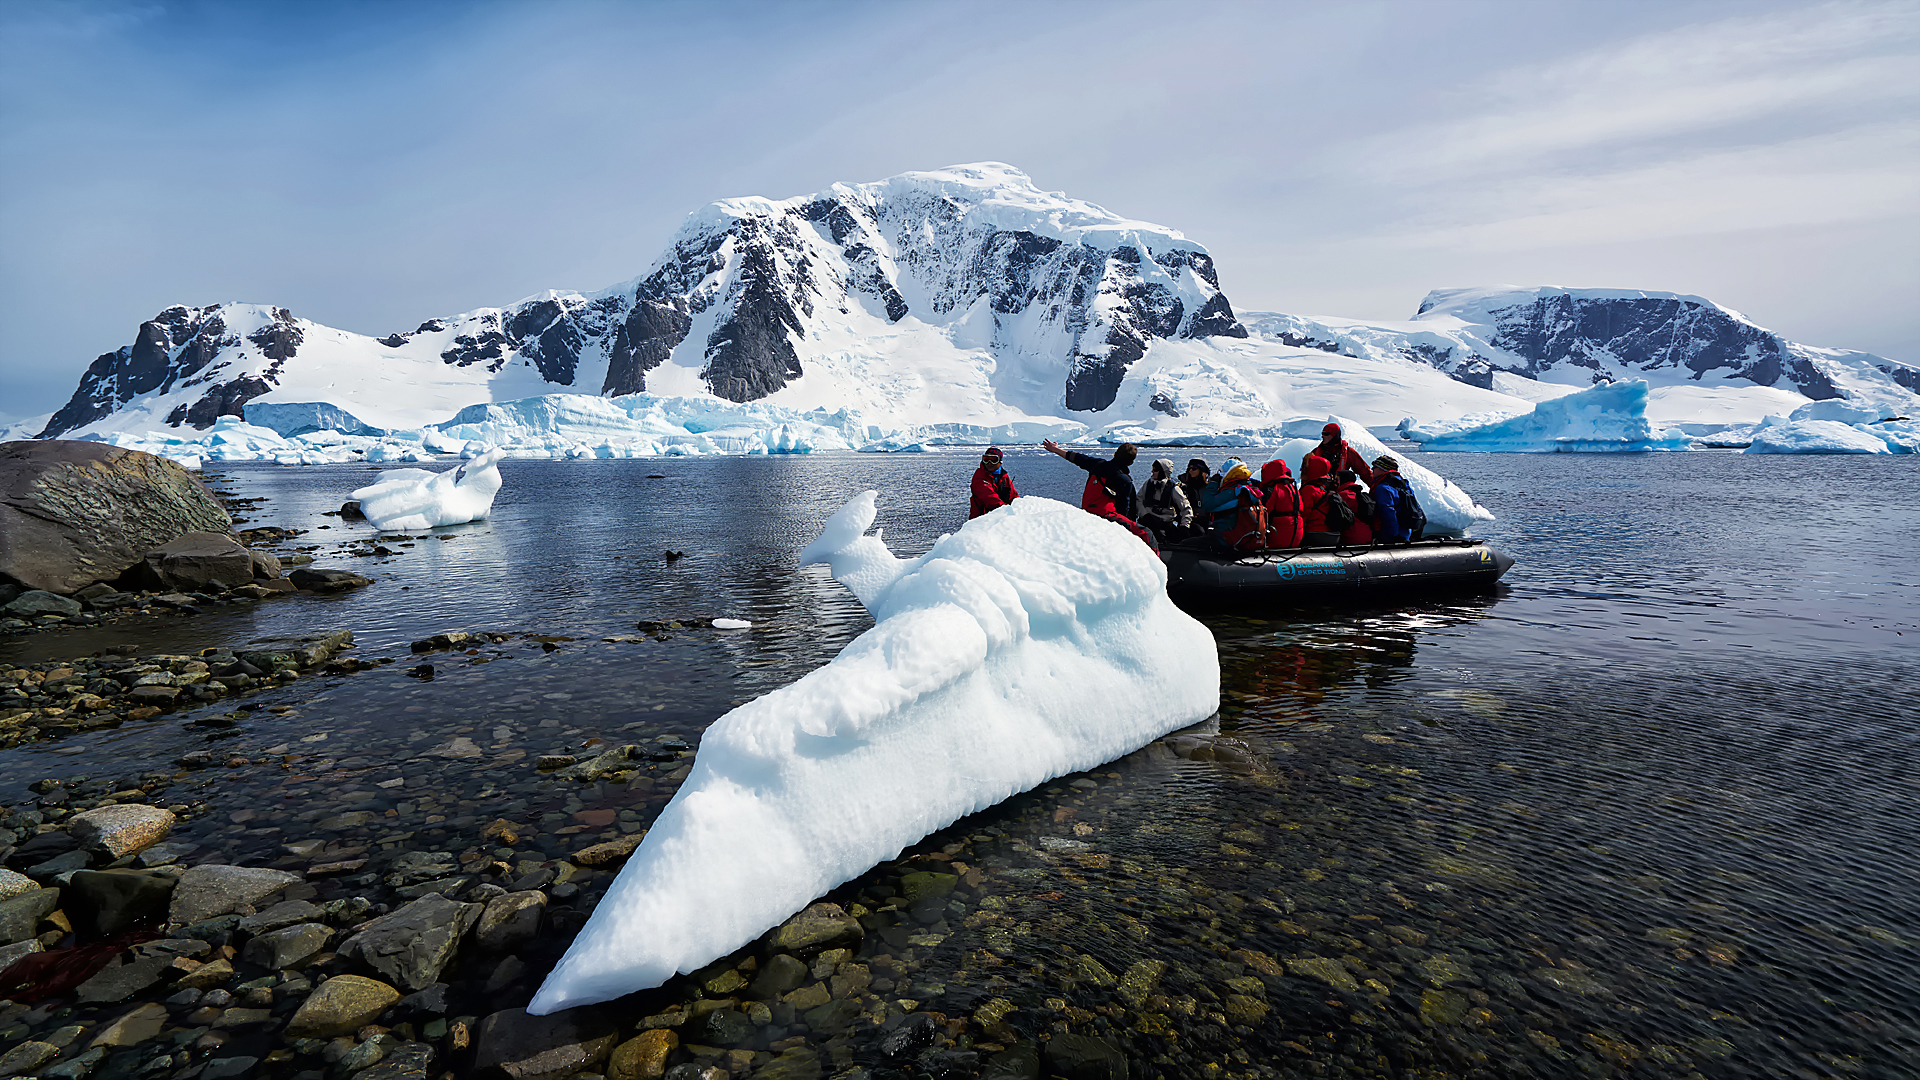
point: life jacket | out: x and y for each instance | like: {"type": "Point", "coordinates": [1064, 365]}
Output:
{"type": "Point", "coordinates": [1285, 527]}
{"type": "Point", "coordinates": [1097, 500]}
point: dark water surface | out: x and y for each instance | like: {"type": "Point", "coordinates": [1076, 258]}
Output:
{"type": "Point", "coordinates": [1648, 810]}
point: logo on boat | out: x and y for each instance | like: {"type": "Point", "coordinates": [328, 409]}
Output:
{"type": "Point", "coordinates": [1293, 568]}
{"type": "Point", "coordinates": [1485, 555]}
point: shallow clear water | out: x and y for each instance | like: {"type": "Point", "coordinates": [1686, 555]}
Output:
{"type": "Point", "coordinates": [1647, 809]}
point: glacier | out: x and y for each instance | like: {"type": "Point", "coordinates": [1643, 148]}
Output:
{"type": "Point", "coordinates": [1036, 641]}
{"type": "Point", "coordinates": [1611, 417]}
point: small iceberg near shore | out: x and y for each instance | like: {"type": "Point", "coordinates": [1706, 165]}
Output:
{"type": "Point", "coordinates": [1609, 418]}
{"type": "Point", "coordinates": [406, 499]}
{"type": "Point", "coordinates": [1035, 642]}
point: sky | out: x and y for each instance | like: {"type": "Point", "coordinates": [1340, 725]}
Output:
{"type": "Point", "coordinates": [373, 165]}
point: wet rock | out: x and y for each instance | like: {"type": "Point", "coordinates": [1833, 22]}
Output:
{"type": "Point", "coordinates": [1020, 1062]}
{"type": "Point", "coordinates": [326, 581]}
{"type": "Point", "coordinates": [510, 920]}
{"type": "Point", "coordinates": [103, 903]}
{"type": "Point", "coordinates": [723, 1027]}
{"type": "Point", "coordinates": [610, 852]}
{"type": "Point", "coordinates": [910, 1038]}
{"type": "Point", "coordinates": [604, 766]}
{"type": "Point", "coordinates": [412, 945]}
{"type": "Point", "coordinates": [341, 1005]}
{"type": "Point", "coordinates": [514, 1045]}
{"type": "Point", "coordinates": [408, 1061]}
{"type": "Point", "coordinates": [27, 1057]}
{"type": "Point", "coordinates": [1245, 1009]}
{"type": "Point", "coordinates": [821, 926]}
{"type": "Point", "coordinates": [429, 1002]}
{"type": "Point", "coordinates": [283, 914]}
{"type": "Point", "coordinates": [121, 830]}
{"type": "Point", "coordinates": [35, 602]}
{"type": "Point", "coordinates": [11, 953]}
{"type": "Point", "coordinates": [197, 562]}
{"type": "Point", "coordinates": [1083, 1057]}
{"type": "Point", "coordinates": [1443, 1006]}
{"type": "Point", "coordinates": [229, 1068]}
{"type": "Point", "coordinates": [1331, 972]}
{"type": "Point", "coordinates": [118, 982]}
{"type": "Point", "coordinates": [927, 885]}
{"type": "Point", "coordinates": [288, 947]}
{"type": "Point", "coordinates": [643, 1057]}
{"type": "Point", "coordinates": [210, 890]}
{"type": "Point", "coordinates": [20, 917]}
{"type": "Point", "coordinates": [207, 976]}
{"type": "Point", "coordinates": [1139, 982]}
{"type": "Point", "coordinates": [781, 975]}
{"type": "Point", "coordinates": [236, 1018]}
{"type": "Point", "coordinates": [134, 1027]}
{"type": "Point", "coordinates": [352, 819]}
{"type": "Point", "coordinates": [793, 1063]}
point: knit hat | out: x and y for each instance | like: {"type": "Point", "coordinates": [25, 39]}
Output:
{"type": "Point", "coordinates": [992, 452]}
{"type": "Point", "coordinates": [1330, 429]}
{"type": "Point", "coordinates": [1385, 461]}
{"type": "Point", "coordinates": [1198, 463]}
{"type": "Point", "coordinates": [1233, 470]}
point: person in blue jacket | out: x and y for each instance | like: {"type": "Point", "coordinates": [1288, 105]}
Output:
{"type": "Point", "coordinates": [1389, 489]}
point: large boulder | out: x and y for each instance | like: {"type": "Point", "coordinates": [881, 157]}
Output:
{"type": "Point", "coordinates": [198, 560]}
{"type": "Point", "coordinates": [73, 513]}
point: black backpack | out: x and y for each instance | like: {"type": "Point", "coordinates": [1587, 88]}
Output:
{"type": "Point", "coordinates": [1339, 514]}
{"type": "Point", "coordinates": [1412, 518]}
{"type": "Point", "coordinates": [1364, 508]}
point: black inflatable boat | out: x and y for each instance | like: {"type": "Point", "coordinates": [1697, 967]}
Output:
{"type": "Point", "coordinates": [1200, 576]}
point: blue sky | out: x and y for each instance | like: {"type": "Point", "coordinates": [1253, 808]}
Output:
{"type": "Point", "coordinates": [373, 165]}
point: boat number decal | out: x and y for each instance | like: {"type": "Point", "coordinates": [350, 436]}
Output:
{"type": "Point", "coordinates": [1294, 569]}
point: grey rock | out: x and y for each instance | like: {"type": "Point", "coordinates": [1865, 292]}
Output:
{"type": "Point", "coordinates": [226, 1068]}
{"type": "Point", "coordinates": [822, 926]}
{"type": "Point", "coordinates": [1083, 1057]}
{"type": "Point", "coordinates": [197, 561]}
{"type": "Point", "coordinates": [369, 1052]}
{"type": "Point", "coordinates": [1020, 1062]}
{"type": "Point", "coordinates": [164, 854]}
{"type": "Point", "coordinates": [77, 1068]}
{"type": "Point", "coordinates": [12, 884]}
{"type": "Point", "coordinates": [11, 953]}
{"type": "Point", "coordinates": [20, 917]}
{"type": "Point", "coordinates": [781, 975]}
{"type": "Point", "coordinates": [102, 903]}
{"type": "Point", "coordinates": [74, 513]}
{"type": "Point", "coordinates": [516, 1046]}
{"type": "Point", "coordinates": [288, 947]}
{"type": "Point", "coordinates": [408, 1061]}
{"type": "Point", "coordinates": [207, 891]}
{"type": "Point", "coordinates": [283, 914]}
{"type": "Point", "coordinates": [510, 920]}
{"type": "Point", "coordinates": [35, 602]}
{"type": "Point", "coordinates": [411, 946]}
{"type": "Point", "coordinates": [429, 1002]}
{"type": "Point", "coordinates": [133, 1028]}
{"type": "Point", "coordinates": [320, 580]}
{"type": "Point", "coordinates": [618, 759]}
{"type": "Point", "coordinates": [342, 1004]}
{"type": "Point", "coordinates": [121, 981]}
{"type": "Point", "coordinates": [58, 865]}
{"type": "Point", "coordinates": [27, 1057]}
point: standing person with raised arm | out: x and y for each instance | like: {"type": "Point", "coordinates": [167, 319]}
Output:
{"type": "Point", "coordinates": [1110, 473]}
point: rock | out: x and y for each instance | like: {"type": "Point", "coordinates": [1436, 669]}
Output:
{"type": "Point", "coordinates": [209, 890]}
{"type": "Point", "coordinates": [20, 917]}
{"type": "Point", "coordinates": [121, 830]}
{"type": "Point", "coordinates": [340, 1006]}
{"type": "Point", "coordinates": [74, 513]}
{"type": "Point", "coordinates": [283, 914]}
{"type": "Point", "coordinates": [119, 982]}
{"type": "Point", "coordinates": [1082, 1057]}
{"type": "Point", "coordinates": [1140, 980]}
{"type": "Point", "coordinates": [104, 903]}
{"type": "Point", "coordinates": [412, 945]}
{"type": "Point", "coordinates": [12, 884]}
{"type": "Point", "coordinates": [603, 766]}
{"type": "Point", "coordinates": [350, 511]}
{"type": "Point", "coordinates": [207, 976]}
{"type": "Point", "coordinates": [1243, 1009]}
{"type": "Point", "coordinates": [643, 1057]}
{"type": "Point", "coordinates": [27, 1057]}
{"type": "Point", "coordinates": [195, 562]}
{"type": "Point", "coordinates": [11, 953]}
{"type": "Point", "coordinates": [35, 602]}
{"type": "Point", "coordinates": [234, 1018]}
{"type": "Point", "coordinates": [323, 581]}
{"type": "Point", "coordinates": [135, 1027]}
{"type": "Point", "coordinates": [610, 852]}
{"type": "Point", "coordinates": [517, 1046]}
{"type": "Point", "coordinates": [352, 819]}
{"type": "Point", "coordinates": [288, 947]}
{"type": "Point", "coordinates": [161, 697]}
{"type": "Point", "coordinates": [266, 567]}
{"type": "Point", "coordinates": [1021, 1062]}
{"type": "Point", "coordinates": [822, 926]}
{"type": "Point", "coordinates": [1332, 972]}
{"type": "Point", "coordinates": [927, 885]}
{"type": "Point", "coordinates": [782, 975]}
{"type": "Point", "coordinates": [510, 920]}
{"type": "Point", "coordinates": [229, 1068]}
{"type": "Point", "coordinates": [429, 1002]}
{"type": "Point", "coordinates": [794, 1063]}
{"type": "Point", "coordinates": [408, 1061]}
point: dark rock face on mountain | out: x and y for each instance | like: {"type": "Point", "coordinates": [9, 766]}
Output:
{"type": "Point", "coordinates": [178, 349]}
{"type": "Point", "coordinates": [73, 513]}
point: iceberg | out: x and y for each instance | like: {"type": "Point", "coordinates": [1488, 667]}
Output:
{"type": "Point", "coordinates": [1611, 417]}
{"type": "Point", "coordinates": [408, 499]}
{"type": "Point", "coordinates": [1780, 436]}
{"type": "Point", "coordinates": [1448, 507]}
{"type": "Point", "coordinates": [1037, 641]}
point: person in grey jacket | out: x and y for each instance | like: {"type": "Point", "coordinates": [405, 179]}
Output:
{"type": "Point", "coordinates": [1164, 506]}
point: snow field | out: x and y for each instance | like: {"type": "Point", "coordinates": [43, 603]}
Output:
{"type": "Point", "coordinates": [1036, 641]}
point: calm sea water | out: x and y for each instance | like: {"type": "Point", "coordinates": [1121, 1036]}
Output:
{"type": "Point", "coordinates": [1648, 809]}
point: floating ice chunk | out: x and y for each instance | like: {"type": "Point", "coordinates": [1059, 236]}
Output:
{"type": "Point", "coordinates": [418, 499]}
{"type": "Point", "coordinates": [732, 624]}
{"type": "Point", "coordinates": [1608, 418]}
{"type": "Point", "coordinates": [1448, 507]}
{"type": "Point", "coordinates": [1779, 436]}
{"type": "Point", "coordinates": [1036, 641]}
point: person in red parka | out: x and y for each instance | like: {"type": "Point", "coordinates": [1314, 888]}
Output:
{"type": "Point", "coordinates": [1338, 455]}
{"type": "Point", "coordinates": [1284, 525]}
{"type": "Point", "coordinates": [1098, 500]}
{"type": "Point", "coordinates": [1361, 531]}
{"type": "Point", "coordinates": [1316, 487]}
{"type": "Point", "coordinates": [992, 485]}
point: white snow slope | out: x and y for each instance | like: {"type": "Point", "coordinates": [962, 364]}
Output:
{"type": "Point", "coordinates": [1035, 642]}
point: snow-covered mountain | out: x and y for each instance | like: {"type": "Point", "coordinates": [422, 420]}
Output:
{"type": "Point", "coordinates": [960, 299]}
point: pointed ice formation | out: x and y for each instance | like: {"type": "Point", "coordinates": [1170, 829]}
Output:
{"type": "Point", "coordinates": [1036, 641]}
{"type": "Point", "coordinates": [420, 499]}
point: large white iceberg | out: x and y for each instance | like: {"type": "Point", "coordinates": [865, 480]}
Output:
{"type": "Point", "coordinates": [1611, 417]}
{"type": "Point", "coordinates": [421, 499]}
{"type": "Point", "coordinates": [1779, 436]}
{"type": "Point", "coordinates": [1036, 641]}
